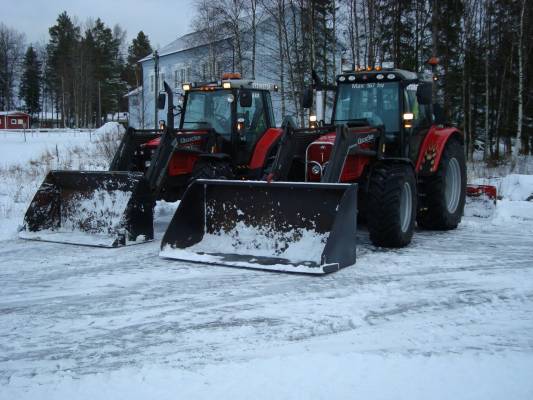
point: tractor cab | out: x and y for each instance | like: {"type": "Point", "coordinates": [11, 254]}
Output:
{"type": "Point", "coordinates": [238, 111]}
{"type": "Point", "coordinates": [395, 101]}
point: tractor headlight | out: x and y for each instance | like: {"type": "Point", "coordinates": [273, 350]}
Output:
{"type": "Point", "coordinates": [226, 85]}
{"type": "Point", "coordinates": [315, 169]}
{"type": "Point", "coordinates": [147, 163]}
{"type": "Point", "coordinates": [186, 87]}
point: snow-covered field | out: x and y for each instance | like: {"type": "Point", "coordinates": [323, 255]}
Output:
{"type": "Point", "coordinates": [449, 317]}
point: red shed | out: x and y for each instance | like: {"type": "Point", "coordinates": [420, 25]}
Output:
{"type": "Point", "coordinates": [14, 120]}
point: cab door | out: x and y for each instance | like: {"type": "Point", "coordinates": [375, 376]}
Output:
{"type": "Point", "coordinates": [251, 124]}
{"type": "Point", "coordinates": [419, 125]}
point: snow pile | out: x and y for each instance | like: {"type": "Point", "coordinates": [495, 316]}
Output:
{"type": "Point", "coordinates": [110, 128]}
{"type": "Point", "coordinates": [516, 187]}
{"type": "Point", "coordinates": [296, 245]}
{"type": "Point", "coordinates": [93, 219]}
{"type": "Point", "coordinates": [508, 211]}
{"type": "Point", "coordinates": [101, 212]}
{"type": "Point", "coordinates": [301, 247]}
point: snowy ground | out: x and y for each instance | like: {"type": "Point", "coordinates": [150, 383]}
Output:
{"type": "Point", "coordinates": [449, 317]}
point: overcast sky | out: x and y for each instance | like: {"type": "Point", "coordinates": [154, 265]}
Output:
{"type": "Point", "coordinates": [161, 20]}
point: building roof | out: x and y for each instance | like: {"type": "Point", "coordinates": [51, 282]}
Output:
{"type": "Point", "coordinates": [134, 92]}
{"type": "Point", "coordinates": [185, 42]}
{"type": "Point", "coordinates": [14, 112]}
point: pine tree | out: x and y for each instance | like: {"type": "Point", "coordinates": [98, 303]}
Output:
{"type": "Point", "coordinates": [30, 83]}
{"type": "Point", "coordinates": [140, 47]}
{"type": "Point", "coordinates": [107, 69]}
{"type": "Point", "coordinates": [64, 39]}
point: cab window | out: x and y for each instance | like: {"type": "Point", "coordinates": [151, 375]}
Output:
{"type": "Point", "coordinates": [252, 120]}
{"type": "Point", "coordinates": [208, 110]}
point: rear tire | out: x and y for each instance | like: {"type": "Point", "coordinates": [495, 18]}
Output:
{"type": "Point", "coordinates": [391, 205]}
{"type": "Point", "coordinates": [445, 191]}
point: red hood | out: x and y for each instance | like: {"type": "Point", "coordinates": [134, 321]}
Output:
{"type": "Point", "coordinates": [152, 143]}
{"type": "Point", "coordinates": [327, 138]}
{"type": "Point", "coordinates": [155, 142]}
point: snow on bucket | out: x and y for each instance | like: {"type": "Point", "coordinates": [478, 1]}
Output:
{"type": "Point", "coordinates": [281, 226]}
{"type": "Point", "coordinates": [106, 209]}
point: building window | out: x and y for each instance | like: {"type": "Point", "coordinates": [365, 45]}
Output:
{"type": "Point", "coordinates": [176, 82]}
{"type": "Point", "coordinates": [152, 78]}
{"type": "Point", "coordinates": [13, 122]}
{"type": "Point", "coordinates": [204, 71]}
{"type": "Point", "coordinates": [189, 74]}
{"type": "Point", "coordinates": [161, 80]}
{"type": "Point", "coordinates": [182, 75]}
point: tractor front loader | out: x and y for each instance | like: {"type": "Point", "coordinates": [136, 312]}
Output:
{"type": "Point", "coordinates": [105, 209]}
{"type": "Point", "coordinates": [385, 156]}
{"type": "Point", "coordinates": [226, 131]}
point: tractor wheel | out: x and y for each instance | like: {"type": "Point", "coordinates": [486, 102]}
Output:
{"type": "Point", "coordinates": [211, 169]}
{"type": "Point", "coordinates": [445, 192]}
{"type": "Point", "coordinates": [391, 205]}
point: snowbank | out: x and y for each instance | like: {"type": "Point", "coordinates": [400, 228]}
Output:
{"type": "Point", "coordinates": [110, 128]}
{"type": "Point", "coordinates": [512, 187]}
{"type": "Point", "coordinates": [508, 211]}
{"type": "Point", "coordinates": [17, 149]}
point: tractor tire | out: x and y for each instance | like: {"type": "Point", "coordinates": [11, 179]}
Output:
{"type": "Point", "coordinates": [445, 191]}
{"type": "Point", "coordinates": [391, 205]}
{"type": "Point", "coordinates": [211, 169]}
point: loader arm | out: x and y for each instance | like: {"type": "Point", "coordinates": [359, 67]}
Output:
{"type": "Point", "coordinates": [347, 142]}
{"type": "Point", "coordinates": [132, 139]}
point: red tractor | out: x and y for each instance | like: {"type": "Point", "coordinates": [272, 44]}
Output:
{"type": "Point", "coordinates": [226, 130]}
{"type": "Point", "coordinates": [386, 139]}
{"type": "Point", "coordinates": [389, 138]}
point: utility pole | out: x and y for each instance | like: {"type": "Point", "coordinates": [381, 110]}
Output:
{"type": "Point", "coordinates": [99, 122]}
{"type": "Point", "coordinates": [156, 87]}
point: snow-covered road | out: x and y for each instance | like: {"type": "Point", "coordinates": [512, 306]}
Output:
{"type": "Point", "coordinates": [458, 303]}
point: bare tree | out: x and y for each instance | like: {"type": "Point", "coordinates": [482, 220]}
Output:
{"type": "Point", "coordinates": [520, 117]}
{"type": "Point", "coordinates": [11, 53]}
{"type": "Point", "coordinates": [209, 32]}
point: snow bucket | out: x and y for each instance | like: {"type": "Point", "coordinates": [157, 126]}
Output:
{"type": "Point", "coordinates": [104, 209]}
{"type": "Point", "coordinates": [280, 226]}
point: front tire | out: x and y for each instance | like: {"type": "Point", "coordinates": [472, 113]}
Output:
{"type": "Point", "coordinates": [211, 169]}
{"type": "Point", "coordinates": [391, 205]}
{"type": "Point", "coordinates": [445, 191]}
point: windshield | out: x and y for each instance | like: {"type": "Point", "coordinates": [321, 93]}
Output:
{"type": "Point", "coordinates": [375, 101]}
{"type": "Point", "coordinates": [210, 109]}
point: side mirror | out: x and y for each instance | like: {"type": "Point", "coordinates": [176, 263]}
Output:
{"type": "Point", "coordinates": [245, 98]}
{"type": "Point", "coordinates": [424, 93]}
{"type": "Point", "coordinates": [307, 97]}
{"type": "Point", "coordinates": [161, 101]}
{"type": "Point", "coordinates": [438, 112]}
